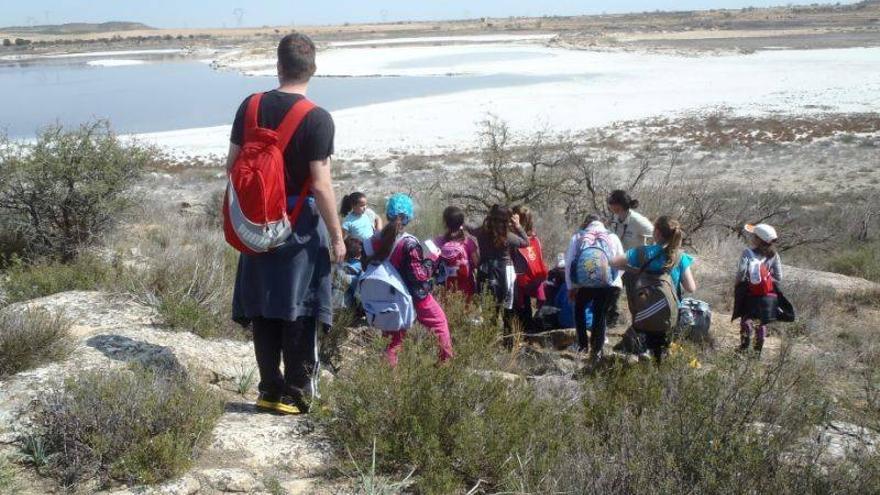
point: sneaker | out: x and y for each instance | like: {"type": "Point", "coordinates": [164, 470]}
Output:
{"type": "Point", "coordinates": [267, 401]}
{"type": "Point", "coordinates": [297, 398]}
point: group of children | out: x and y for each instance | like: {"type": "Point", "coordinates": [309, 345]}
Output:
{"type": "Point", "coordinates": [503, 257]}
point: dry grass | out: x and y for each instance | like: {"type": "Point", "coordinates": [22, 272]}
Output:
{"type": "Point", "coordinates": [187, 273]}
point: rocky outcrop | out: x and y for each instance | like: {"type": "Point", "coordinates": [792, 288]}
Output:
{"type": "Point", "coordinates": [798, 282]}
{"type": "Point", "coordinates": [818, 281]}
{"type": "Point", "coordinates": [248, 450]}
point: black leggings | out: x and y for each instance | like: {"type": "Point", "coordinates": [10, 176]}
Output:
{"type": "Point", "coordinates": [657, 344]}
{"type": "Point", "coordinates": [601, 299]}
{"type": "Point", "coordinates": [297, 343]}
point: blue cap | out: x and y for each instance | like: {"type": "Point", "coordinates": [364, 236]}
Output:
{"type": "Point", "coordinates": [399, 204]}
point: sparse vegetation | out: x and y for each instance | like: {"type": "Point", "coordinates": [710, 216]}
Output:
{"type": "Point", "coordinates": [131, 425]}
{"type": "Point", "coordinates": [189, 277]}
{"type": "Point", "coordinates": [858, 260]}
{"type": "Point", "coordinates": [7, 476]}
{"type": "Point", "coordinates": [30, 281]}
{"type": "Point", "coordinates": [367, 482]}
{"type": "Point", "coordinates": [32, 338]}
{"type": "Point", "coordinates": [34, 451]}
{"type": "Point", "coordinates": [413, 163]}
{"type": "Point", "coordinates": [273, 486]}
{"type": "Point", "coordinates": [245, 379]}
{"type": "Point", "coordinates": [735, 427]}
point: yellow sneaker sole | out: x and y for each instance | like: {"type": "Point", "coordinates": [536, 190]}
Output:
{"type": "Point", "coordinates": [287, 409]}
{"type": "Point", "coordinates": [265, 404]}
{"type": "Point", "coordinates": [277, 407]}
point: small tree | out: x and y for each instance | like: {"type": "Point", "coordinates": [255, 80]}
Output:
{"type": "Point", "coordinates": [65, 190]}
{"type": "Point", "coordinates": [514, 174]}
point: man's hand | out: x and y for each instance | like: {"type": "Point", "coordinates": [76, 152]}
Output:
{"type": "Point", "coordinates": [338, 254]}
{"type": "Point", "coordinates": [322, 188]}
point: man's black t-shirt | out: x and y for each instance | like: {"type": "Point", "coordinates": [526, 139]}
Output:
{"type": "Point", "coordinates": [312, 141]}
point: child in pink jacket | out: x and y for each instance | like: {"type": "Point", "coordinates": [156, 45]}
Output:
{"type": "Point", "coordinates": [408, 257]}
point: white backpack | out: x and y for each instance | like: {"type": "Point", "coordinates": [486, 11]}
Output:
{"type": "Point", "coordinates": [385, 298]}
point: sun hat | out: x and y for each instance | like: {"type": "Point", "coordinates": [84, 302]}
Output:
{"type": "Point", "coordinates": [399, 205]}
{"type": "Point", "coordinates": [764, 232]}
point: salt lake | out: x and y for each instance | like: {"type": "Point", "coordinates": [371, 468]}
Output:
{"type": "Point", "coordinates": [431, 98]}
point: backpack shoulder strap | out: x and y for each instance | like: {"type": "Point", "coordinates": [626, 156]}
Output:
{"type": "Point", "coordinates": [286, 130]}
{"type": "Point", "coordinates": [643, 255]}
{"type": "Point", "coordinates": [292, 121]}
{"type": "Point", "coordinates": [398, 242]}
{"type": "Point", "coordinates": [250, 116]}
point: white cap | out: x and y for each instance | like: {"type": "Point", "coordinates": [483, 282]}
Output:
{"type": "Point", "coordinates": [764, 232]}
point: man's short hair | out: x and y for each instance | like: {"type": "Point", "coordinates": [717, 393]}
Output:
{"type": "Point", "coordinates": [296, 58]}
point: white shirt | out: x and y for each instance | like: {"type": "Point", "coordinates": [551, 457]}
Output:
{"type": "Point", "coordinates": [614, 246]}
{"type": "Point", "coordinates": [634, 230]}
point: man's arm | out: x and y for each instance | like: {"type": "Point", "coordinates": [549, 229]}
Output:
{"type": "Point", "coordinates": [234, 150]}
{"type": "Point", "coordinates": [322, 188]}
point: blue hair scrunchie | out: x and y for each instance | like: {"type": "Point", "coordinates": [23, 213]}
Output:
{"type": "Point", "coordinates": [400, 205]}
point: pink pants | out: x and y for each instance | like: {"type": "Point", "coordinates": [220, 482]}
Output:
{"type": "Point", "coordinates": [431, 315]}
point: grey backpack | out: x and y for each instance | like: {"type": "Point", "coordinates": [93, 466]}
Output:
{"type": "Point", "coordinates": [652, 298]}
{"type": "Point", "coordinates": [695, 321]}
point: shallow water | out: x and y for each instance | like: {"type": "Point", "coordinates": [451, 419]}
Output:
{"type": "Point", "coordinates": [171, 92]}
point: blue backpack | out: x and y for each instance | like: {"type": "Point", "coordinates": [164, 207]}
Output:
{"type": "Point", "coordinates": [566, 309]}
{"type": "Point", "coordinates": [592, 264]}
{"type": "Point", "coordinates": [385, 298]}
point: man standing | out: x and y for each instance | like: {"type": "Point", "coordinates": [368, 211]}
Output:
{"type": "Point", "coordinates": [286, 293]}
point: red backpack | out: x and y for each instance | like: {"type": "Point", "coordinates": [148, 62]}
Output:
{"type": "Point", "coordinates": [255, 216]}
{"type": "Point", "coordinates": [534, 267]}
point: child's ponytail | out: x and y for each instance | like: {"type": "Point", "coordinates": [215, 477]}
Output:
{"type": "Point", "coordinates": [347, 206]}
{"type": "Point", "coordinates": [388, 237]}
{"type": "Point", "coordinates": [348, 202]}
{"type": "Point", "coordinates": [673, 237]}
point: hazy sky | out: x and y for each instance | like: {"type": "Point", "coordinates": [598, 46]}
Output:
{"type": "Point", "coordinates": [218, 13]}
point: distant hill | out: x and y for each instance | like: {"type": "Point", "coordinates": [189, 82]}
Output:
{"type": "Point", "coordinates": [76, 28]}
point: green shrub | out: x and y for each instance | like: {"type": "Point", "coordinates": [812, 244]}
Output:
{"type": "Point", "coordinates": [30, 281]}
{"type": "Point", "coordinates": [861, 260]}
{"type": "Point", "coordinates": [68, 188]}
{"type": "Point", "coordinates": [31, 339]}
{"type": "Point", "coordinates": [134, 426]}
{"type": "Point", "coordinates": [735, 426]}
